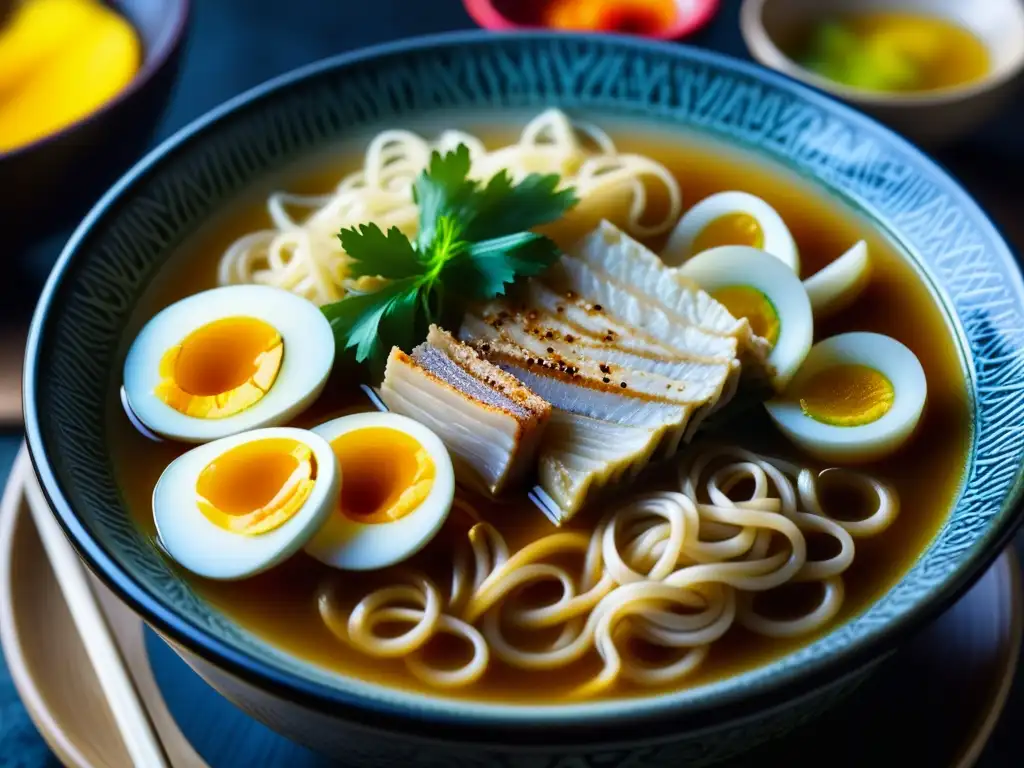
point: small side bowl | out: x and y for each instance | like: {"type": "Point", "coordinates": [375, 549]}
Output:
{"type": "Point", "coordinates": [930, 118]}
{"type": "Point", "coordinates": [506, 15]}
{"type": "Point", "coordinates": [58, 176]}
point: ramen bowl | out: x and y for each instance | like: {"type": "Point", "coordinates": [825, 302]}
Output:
{"type": "Point", "coordinates": [78, 337]}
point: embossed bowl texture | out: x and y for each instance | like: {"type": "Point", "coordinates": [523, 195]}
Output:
{"type": "Point", "coordinates": [85, 321]}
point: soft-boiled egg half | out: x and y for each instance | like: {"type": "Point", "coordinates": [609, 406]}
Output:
{"type": "Point", "coordinates": [237, 506]}
{"type": "Point", "coordinates": [753, 285]}
{"type": "Point", "coordinates": [228, 360]}
{"type": "Point", "coordinates": [837, 285]}
{"type": "Point", "coordinates": [857, 398]}
{"type": "Point", "coordinates": [731, 218]}
{"type": "Point", "coordinates": [398, 489]}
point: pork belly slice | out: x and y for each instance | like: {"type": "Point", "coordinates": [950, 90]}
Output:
{"type": "Point", "coordinates": [609, 250]}
{"type": "Point", "coordinates": [575, 279]}
{"type": "Point", "coordinates": [646, 400]}
{"type": "Point", "coordinates": [581, 456]}
{"type": "Point", "coordinates": [614, 257]}
{"type": "Point", "coordinates": [615, 391]}
{"type": "Point", "coordinates": [490, 422]}
{"type": "Point", "coordinates": [578, 316]}
{"type": "Point", "coordinates": [679, 380]}
{"type": "Point", "coordinates": [539, 331]}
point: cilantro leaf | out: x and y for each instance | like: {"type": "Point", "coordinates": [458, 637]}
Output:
{"type": "Point", "coordinates": [357, 319]}
{"type": "Point", "coordinates": [375, 254]}
{"type": "Point", "coordinates": [502, 208]}
{"type": "Point", "coordinates": [488, 266]}
{"type": "Point", "coordinates": [473, 241]}
{"type": "Point", "coordinates": [404, 325]}
{"type": "Point", "coordinates": [446, 245]}
{"type": "Point", "coordinates": [443, 189]}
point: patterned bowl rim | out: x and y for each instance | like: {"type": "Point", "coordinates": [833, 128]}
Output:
{"type": "Point", "coordinates": [460, 720]}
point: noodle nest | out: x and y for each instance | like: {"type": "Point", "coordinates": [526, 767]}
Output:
{"type": "Point", "coordinates": [302, 252]}
{"type": "Point", "coordinates": [673, 569]}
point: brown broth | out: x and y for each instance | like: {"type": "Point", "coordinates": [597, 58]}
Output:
{"type": "Point", "coordinates": [280, 606]}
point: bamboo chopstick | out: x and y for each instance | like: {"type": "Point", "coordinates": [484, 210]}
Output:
{"type": "Point", "coordinates": [132, 720]}
{"type": "Point", "coordinates": [12, 355]}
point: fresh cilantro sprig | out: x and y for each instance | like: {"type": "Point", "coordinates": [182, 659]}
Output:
{"type": "Point", "coordinates": [473, 241]}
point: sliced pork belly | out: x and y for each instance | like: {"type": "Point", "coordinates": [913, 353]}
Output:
{"type": "Point", "coordinates": [632, 357]}
{"type": "Point", "coordinates": [584, 318]}
{"type": "Point", "coordinates": [540, 319]}
{"type": "Point", "coordinates": [490, 422]}
{"type": "Point", "coordinates": [584, 391]}
{"type": "Point", "coordinates": [577, 280]}
{"type": "Point", "coordinates": [609, 250]}
{"type": "Point", "coordinates": [600, 439]}
{"type": "Point", "coordinates": [613, 257]}
{"type": "Point", "coordinates": [678, 380]}
{"type": "Point", "coordinates": [576, 356]}
{"type": "Point", "coordinates": [582, 455]}
{"type": "Point", "coordinates": [545, 335]}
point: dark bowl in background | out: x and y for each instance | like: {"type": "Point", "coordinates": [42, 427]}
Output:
{"type": "Point", "coordinates": [54, 180]}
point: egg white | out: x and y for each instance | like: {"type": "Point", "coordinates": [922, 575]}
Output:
{"type": "Point", "coordinates": [741, 265]}
{"type": "Point", "coordinates": [778, 241]}
{"type": "Point", "coordinates": [836, 286]}
{"type": "Point", "coordinates": [354, 546]}
{"type": "Point", "coordinates": [208, 550]}
{"type": "Point", "coordinates": [867, 442]}
{"type": "Point", "coordinates": [307, 362]}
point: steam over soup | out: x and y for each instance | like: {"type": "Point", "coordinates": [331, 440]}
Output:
{"type": "Point", "coordinates": [657, 414]}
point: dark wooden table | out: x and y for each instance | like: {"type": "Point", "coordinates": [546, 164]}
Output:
{"type": "Point", "coordinates": [236, 44]}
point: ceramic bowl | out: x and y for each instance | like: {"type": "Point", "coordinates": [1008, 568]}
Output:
{"type": "Point", "coordinates": [59, 176]}
{"type": "Point", "coordinates": [931, 118]}
{"type": "Point", "coordinates": [84, 323]}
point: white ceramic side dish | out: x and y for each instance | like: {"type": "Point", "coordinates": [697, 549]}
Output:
{"type": "Point", "coordinates": [929, 118]}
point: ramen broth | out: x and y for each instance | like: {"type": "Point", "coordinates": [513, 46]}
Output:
{"type": "Point", "coordinates": [280, 606]}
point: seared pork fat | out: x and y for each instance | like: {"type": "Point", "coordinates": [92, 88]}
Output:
{"type": "Point", "coordinates": [631, 355]}
{"type": "Point", "coordinates": [490, 422]}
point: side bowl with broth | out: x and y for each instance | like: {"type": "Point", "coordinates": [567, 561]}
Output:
{"type": "Point", "coordinates": [158, 238]}
{"type": "Point", "coordinates": [932, 103]}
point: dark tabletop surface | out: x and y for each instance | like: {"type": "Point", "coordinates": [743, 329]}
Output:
{"type": "Point", "coordinates": [235, 44]}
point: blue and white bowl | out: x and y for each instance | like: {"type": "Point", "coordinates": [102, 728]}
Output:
{"type": "Point", "coordinates": [78, 339]}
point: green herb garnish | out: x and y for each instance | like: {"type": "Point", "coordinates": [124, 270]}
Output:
{"type": "Point", "coordinates": [473, 241]}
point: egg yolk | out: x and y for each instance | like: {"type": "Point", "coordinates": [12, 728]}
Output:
{"type": "Point", "coordinates": [730, 229]}
{"type": "Point", "coordinates": [386, 474]}
{"type": "Point", "coordinates": [846, 395]}
{"type": "Point", "coordinates": [221, 368]}
{"type": "Point", "coordinates": [257, 486]}
{"type": "Point", "coordinates": [744, 301]}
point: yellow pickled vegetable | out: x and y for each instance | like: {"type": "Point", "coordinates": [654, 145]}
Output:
{"type": "Point", "coordinates": [895, 51]}
{"type": "Point", "coordinates": [60, 60]}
